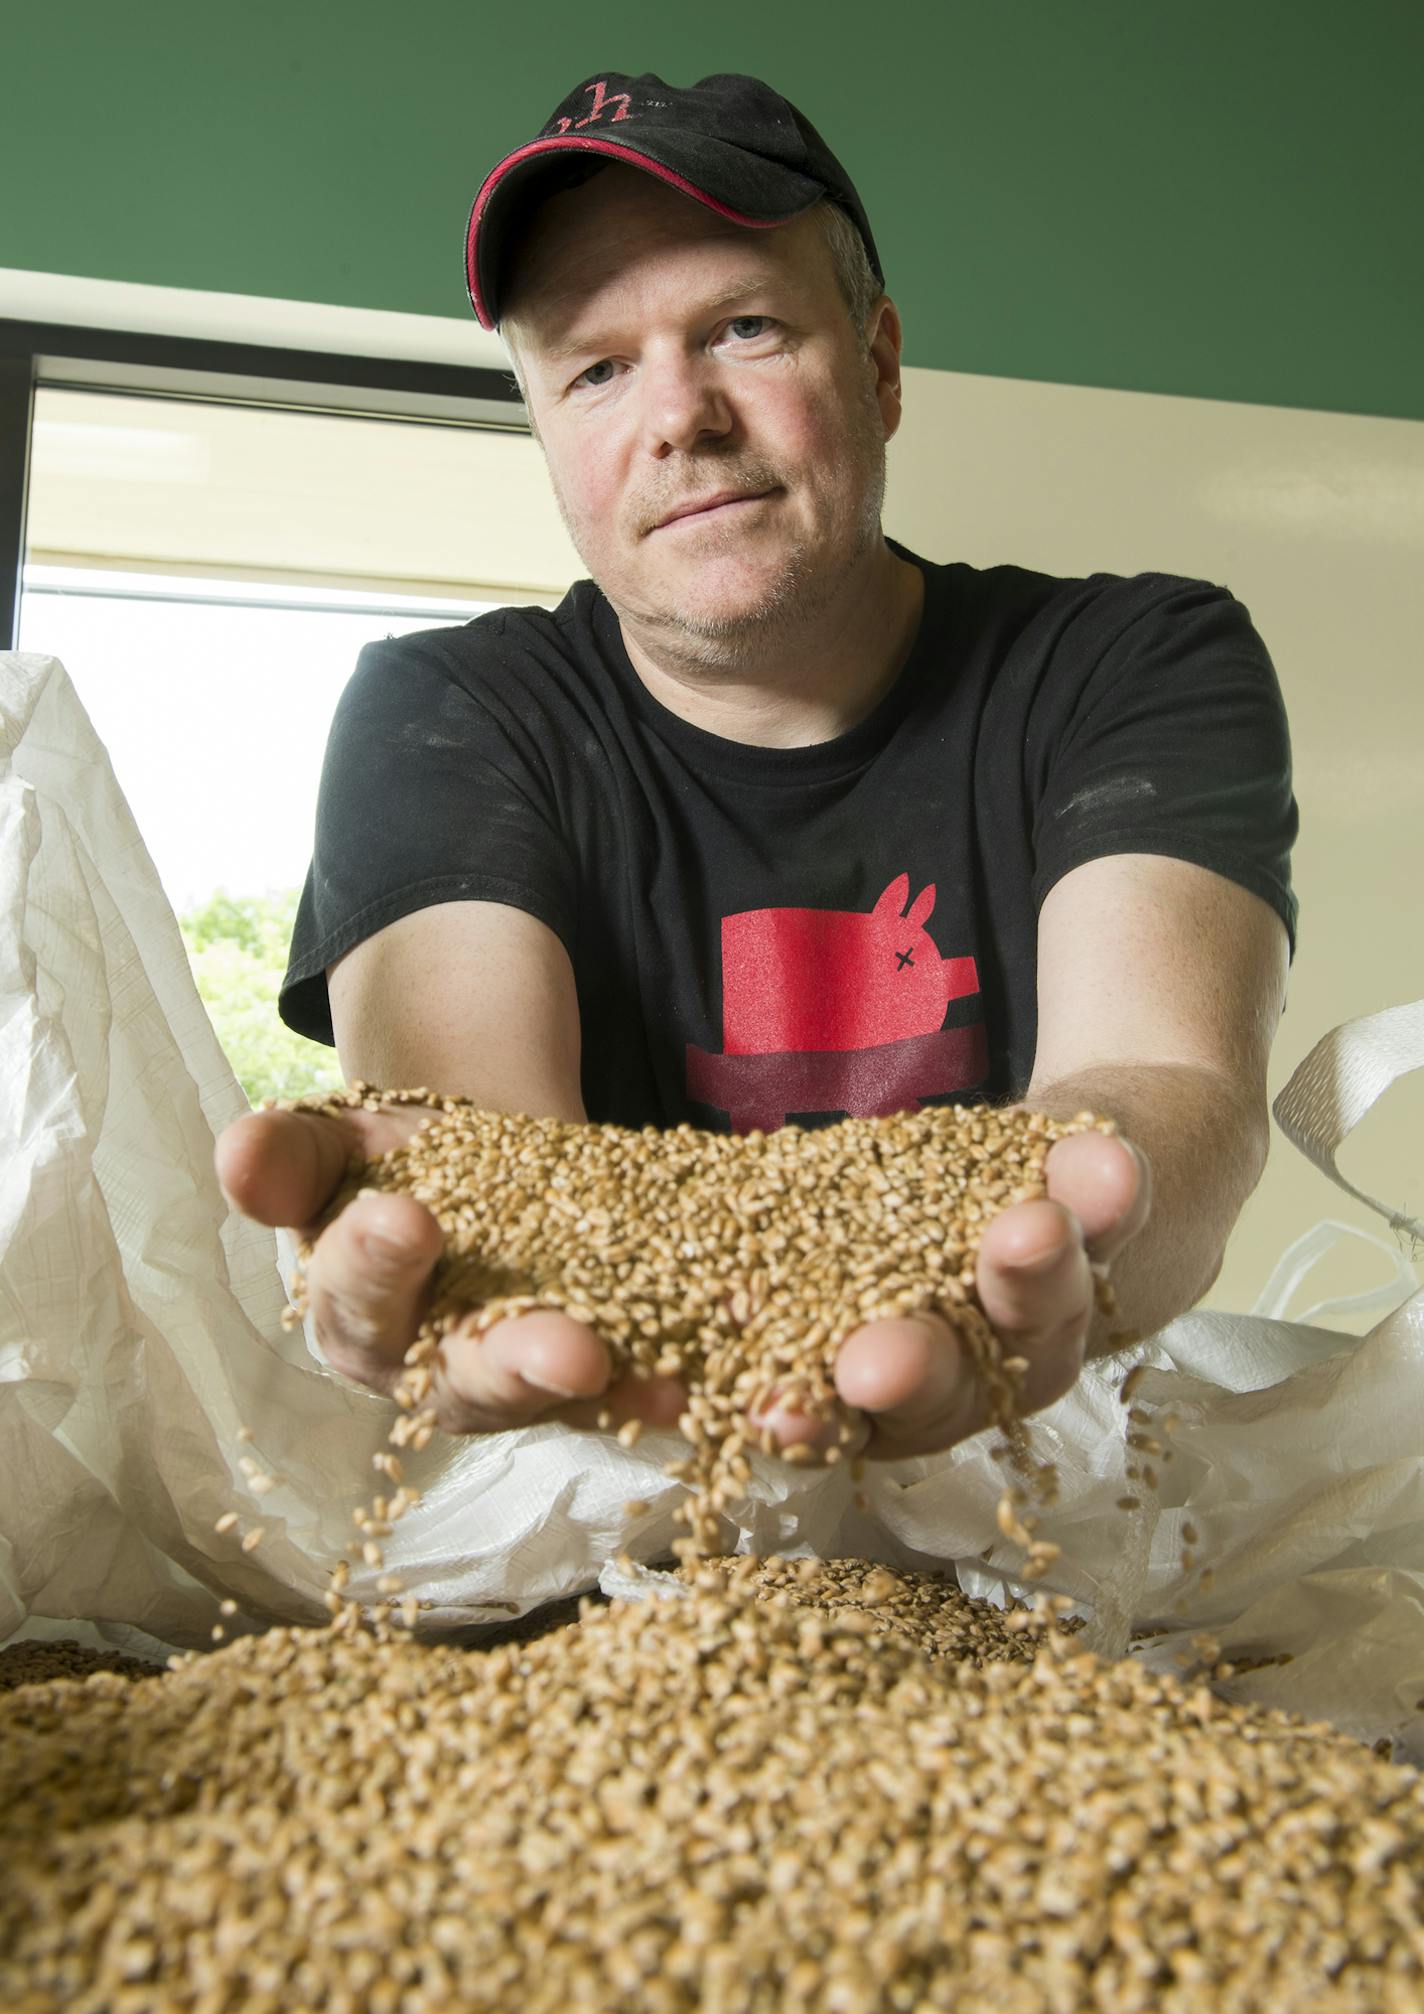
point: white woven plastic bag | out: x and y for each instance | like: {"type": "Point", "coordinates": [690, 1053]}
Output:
{"type": "Point", "coordinates": [139, 1327]}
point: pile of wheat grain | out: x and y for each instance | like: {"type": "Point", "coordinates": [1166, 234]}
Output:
{"type": "Point", "coordinates": [36, 1661]}
{"type": "Point", "coordinates": [755, 1798]}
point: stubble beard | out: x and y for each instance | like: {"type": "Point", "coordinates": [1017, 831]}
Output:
{"type": "Point", "coordinates": [804, 589]}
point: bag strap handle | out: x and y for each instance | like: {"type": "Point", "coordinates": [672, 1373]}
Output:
{"type": "Point", "coordinates": [1346, 1072]}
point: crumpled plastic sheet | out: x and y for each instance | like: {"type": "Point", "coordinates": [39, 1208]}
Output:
{"type": "Point", "coordinates": [139, 1328]}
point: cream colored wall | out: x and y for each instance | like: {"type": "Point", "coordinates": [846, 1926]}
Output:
{"type": "Point", "coordinates": [1316, 522]}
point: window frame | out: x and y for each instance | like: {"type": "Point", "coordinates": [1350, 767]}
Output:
{"type": "Point", "coordinates": [37, 354]}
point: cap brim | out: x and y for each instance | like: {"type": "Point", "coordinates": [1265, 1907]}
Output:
{"type": "Point", "coordinates": [511, 179]}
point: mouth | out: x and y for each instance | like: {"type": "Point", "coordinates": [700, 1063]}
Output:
{"type": "Point", "coordinates": [725, 506]}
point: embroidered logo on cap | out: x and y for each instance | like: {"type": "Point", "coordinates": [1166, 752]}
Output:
{"type": "Point", "coordinates": [600, 99]}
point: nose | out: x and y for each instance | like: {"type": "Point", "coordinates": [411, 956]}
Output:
{"type": "Point", "coordinates": [684, 404]}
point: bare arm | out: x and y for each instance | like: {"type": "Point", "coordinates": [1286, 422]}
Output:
{"type": "Point", "coordinates": [470, 998]}
{"type": "Point", "coordinates": [473, 998]}
{"type": "Point", "coordinates": [1160, 986]}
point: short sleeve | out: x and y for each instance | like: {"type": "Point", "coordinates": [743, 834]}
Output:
{"type": "Point", "coordinates": [1163, 730]}
{"type": "Point", "coordinates": [432, 790]}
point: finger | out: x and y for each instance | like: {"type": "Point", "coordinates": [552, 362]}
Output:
{"type": "Point", "coordinates": [1036, 1287]}
{"type": "Point", "coordinates": [283, 1168]}
{"type": "Point", "coordinates": [368, 1284]}
{"type": "Point", "coordinates": [785, 1417]}
{"type": "Point", "coordinates": [913, 1378]}
{"type": "Point", "coordinates": [653, 1402]}
{"type": "Point", "coordinates": [519, 1370]}
{"type": "Point", "coordinates": [1106, 1183]}
{"type": "Point", "coordinates": [541, 1366]}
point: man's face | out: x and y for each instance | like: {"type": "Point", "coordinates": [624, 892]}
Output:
{"type": "Point", "coordinates": [670, 358]}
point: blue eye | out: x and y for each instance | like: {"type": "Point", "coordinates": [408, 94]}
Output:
{"type": "Point", "coordinates": [746, 328]}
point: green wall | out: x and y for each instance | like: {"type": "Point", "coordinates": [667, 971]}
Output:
{"type": "Point", "coordinates": [1212, 198]}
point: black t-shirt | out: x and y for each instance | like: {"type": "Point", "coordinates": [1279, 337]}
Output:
{"type": "Point", "coordinates": [764, 934]}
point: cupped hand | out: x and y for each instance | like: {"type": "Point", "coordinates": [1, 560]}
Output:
{"type": "Point", "coordinates": [912, 1380]}
{"type": "Point", "coordinates": [369, 1285]}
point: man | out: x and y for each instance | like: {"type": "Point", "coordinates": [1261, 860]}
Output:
{"type": "Point", "coordinates": [778, 820]}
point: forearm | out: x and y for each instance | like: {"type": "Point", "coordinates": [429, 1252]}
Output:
{"type": "Point", "coordinates": [1205, 1140]}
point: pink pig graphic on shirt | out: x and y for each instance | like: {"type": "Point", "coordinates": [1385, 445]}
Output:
{"type": "Point", "coordinates": [831, 1010]}
{"type": "Point", "coordinates": [836, 978]}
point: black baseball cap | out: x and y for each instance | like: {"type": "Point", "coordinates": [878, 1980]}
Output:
{"type": "Point", "coordinates": [731, 142]}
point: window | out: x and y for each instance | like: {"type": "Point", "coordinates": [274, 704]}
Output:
{"type": "Point", "coordinates": [213, 700]}
{"type": "Point", "coordinates": [207, 567]}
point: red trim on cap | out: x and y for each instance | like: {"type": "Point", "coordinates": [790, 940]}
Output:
{"type": "Point", "coordinates": [616, 152]}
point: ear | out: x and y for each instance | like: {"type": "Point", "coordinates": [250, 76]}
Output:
{"type": "Point", "coordinates": [885, 345]}
{"type": "Point", "coordinates": [924, 903]}
{"type": "Point", "coordinates": [894, 898]}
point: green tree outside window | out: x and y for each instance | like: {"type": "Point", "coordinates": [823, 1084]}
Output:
{"type": "Point", "coordinates": [237, 945]}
